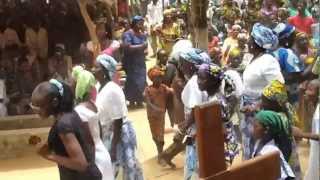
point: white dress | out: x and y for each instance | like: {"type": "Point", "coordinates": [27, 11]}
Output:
{"type": "Point", "coordinates": [286, 170]}
{"type": "Point", "coordinates": [102, 157]}
{"type": "Point", "coordinates": [314, 158]}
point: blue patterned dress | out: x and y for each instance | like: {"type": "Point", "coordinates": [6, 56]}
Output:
{"type": "Point", "coordinates": [134, 66]}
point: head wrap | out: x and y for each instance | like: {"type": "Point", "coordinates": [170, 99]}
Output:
{"type": "Point", "coordinates": [109, 63]}
{"type": "Point", "coordinates": [195, 56]}
{"type": "Point", "coordinates": [284, 30]}
{"type": "Point", "coordinates": [155, 72]}
{"type": "Point", "coordinates": [212, 71]}
{"type": "Point", "coordinates": [136, 19]}
{"type": "Point", "coordinates": [215, 73]}
{"type": "Point", "coordinates": [179, 47]}
{"type": "Point", "coordinates": [167, 12]}
{"type": "Point", "coordinates": [276, 91]}
{"type": "Point", "coordinates": [85, 82]}
{"type": "Point", "coordinates": [264, 37]}
{"type": "Point", "coordinates": [58, 85]}
{"type": "Point", "coordinates": [279, 128]}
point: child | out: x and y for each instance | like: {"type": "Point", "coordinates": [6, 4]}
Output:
{"type": "Point", "coordinates": [271, 131]}
{"type": "Point", "coordinates": [156, 96]}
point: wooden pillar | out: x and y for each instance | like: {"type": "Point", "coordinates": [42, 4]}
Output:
{"type": "Point", "coordinates": [199, 23]}
{"type": "Point", "coordinates": [210, 140]}
{"type": "Point", "coordinates": [210, 143]}
{"type": "Point", "coordinates": [91, 26]}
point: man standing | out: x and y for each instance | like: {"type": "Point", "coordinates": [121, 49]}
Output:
{"type": "Point", "coordinates": [154, 17]}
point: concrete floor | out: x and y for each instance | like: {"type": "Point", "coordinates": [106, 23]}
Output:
{"type": "Point", "coordinates": [33, 167]}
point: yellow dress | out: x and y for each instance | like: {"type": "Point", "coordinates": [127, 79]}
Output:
{"type": "Point", "coordinates": [169, 35]}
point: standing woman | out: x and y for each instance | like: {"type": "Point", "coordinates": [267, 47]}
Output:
{"type": "Point", "coordinates": [135, 49]}
{"type": "Point", "coordinates": [69, 142]}
{"type": "Point", "coordinates": [85, 95]}
{"type": "Point", "coordinates": [262, 69]}
{"type": "Point", "coordinates": [117, 131]}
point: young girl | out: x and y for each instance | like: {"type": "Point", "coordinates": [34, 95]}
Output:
{"type": "Point", "coordinates": [156, 96]}
{"type": "Point", "coordinates": [272, 132]}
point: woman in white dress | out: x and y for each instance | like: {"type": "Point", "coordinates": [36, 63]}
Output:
{"type": "Point", "coordinates": [117, 131]}
{"type": "Point", "coordinates": [86, 109]}
{"type": "Point", "coordinates": [262, 69]}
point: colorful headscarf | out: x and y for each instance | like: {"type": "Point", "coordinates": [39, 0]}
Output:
{"type": "Point", "coordinates": [276, 91]}
{"type": "Point", "coordinates": [155, 72]}
{"type": "Point", "coordinates": [279, 128]}
{"type": "Point", "coordinates": [195, 56]}
{"type": "Point", "coordinates": [136, 19]}
{"type": "Point", "coordinates": [284, 30]}
{"type": "Point", "coordinates": [213, 71]}
{"type": "Point", "coordinates": [85, 82]}
{"type": "Point", "coordinates": [264, 37]}
{"type": "Point", "coordinates": [109, 63]}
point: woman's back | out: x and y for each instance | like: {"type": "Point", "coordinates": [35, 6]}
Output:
{"type": "Point", "coordinates": [71, 123]}
{"type": "Point", "coordinates": [102, 157]}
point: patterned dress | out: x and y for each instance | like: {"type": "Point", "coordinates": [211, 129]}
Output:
{"type": "Point", "coordinates": [231, 145]}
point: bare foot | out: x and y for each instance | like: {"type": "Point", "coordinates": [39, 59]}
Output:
{"type": "Point", "coordinates": [168, 162]}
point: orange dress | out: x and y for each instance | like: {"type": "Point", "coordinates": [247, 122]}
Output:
{"type": "Point", "coordinates": [158, 97]}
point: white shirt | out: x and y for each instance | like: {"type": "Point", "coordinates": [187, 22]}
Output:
{"type": "Point", "coordinates": [111, 104]}
{"type": "Point", "coordinates": [259, 73]}
{"type": "Point", "coordinates": [37, 42]}
{"type": "Point", "coordinates": [154, 13]}
{"type": "Point", "coordinates": [236, 78]}
{"type": "Point", "coordinates": [191, 95]}
{"type": "Point", "coordinates": [271, 147]}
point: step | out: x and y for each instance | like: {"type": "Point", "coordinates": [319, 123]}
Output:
{"type": "Point", "coordinates": [15, 143]}
{"type": "Point", "coordinates": [24, 122]}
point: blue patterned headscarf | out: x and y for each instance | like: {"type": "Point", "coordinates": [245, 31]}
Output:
{"type": "Point", "coordinates": [136, 19]}
{"type": "Point", "coordinates": [284, 30]}
{"type": "Point", "coordinates": [264, 37]}
{"type": "Point", "coordinates": [195, 56]}
{"type": "Point", "coordinates": [109, 63]}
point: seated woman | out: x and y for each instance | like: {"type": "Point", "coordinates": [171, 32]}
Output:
{"type": "Point", "coordinates": [87, 110]}
{"type": "Point", "coordinates": [272, 132]}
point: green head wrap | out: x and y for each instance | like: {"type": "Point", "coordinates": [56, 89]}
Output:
{"type": "Point", "coordinates": [279, 128]}
{"type": "Point", "coordinates": [85, 81]}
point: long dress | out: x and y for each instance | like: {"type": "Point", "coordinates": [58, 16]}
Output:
{"type": "Point", "coordinates": [111, 104]}
{"type": "Point", "coordinates": [257, 75]}
{"type": "Point", "coordinates": [313, 171]}
{"type": "Point", "coordinates": [134, 66]}
{"type": "Point", "coordinates": [191, 97]}
{"type": "Point", "coordinates": [102, 157]}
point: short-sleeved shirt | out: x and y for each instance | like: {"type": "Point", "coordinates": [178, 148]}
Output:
{"type": "Point", "coordinates": [259, 73]}
{"type": "Point", "coordinates": [111, 104]}
{"type": "Point", "coordinates": [303, 24]}
{"type": "Point", "coordinates": [71, 123]}
{"type": "Point", "coordinates": [288, 60]}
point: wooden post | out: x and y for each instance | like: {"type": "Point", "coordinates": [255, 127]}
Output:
{"type": "Point", "coordinates": [91, 26]}
{"type": "Point", "coordinates": [210, 143]}
{"type": "Point", "coordinates": [210, 140]}
{"type": "Point", "coordinates": [199, 22]}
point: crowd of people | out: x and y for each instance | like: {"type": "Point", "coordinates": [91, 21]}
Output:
{"type": "Point", "coordinates": [261, 66]}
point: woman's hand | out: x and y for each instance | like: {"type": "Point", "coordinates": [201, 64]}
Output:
{"type": "Point", "coordinates": [113, 154]}
{"type": "Point", "coordinates": [44, 151]}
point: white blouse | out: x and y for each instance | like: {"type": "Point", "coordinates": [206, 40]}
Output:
{"type": "Point", "coordinates": [259, 73]}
